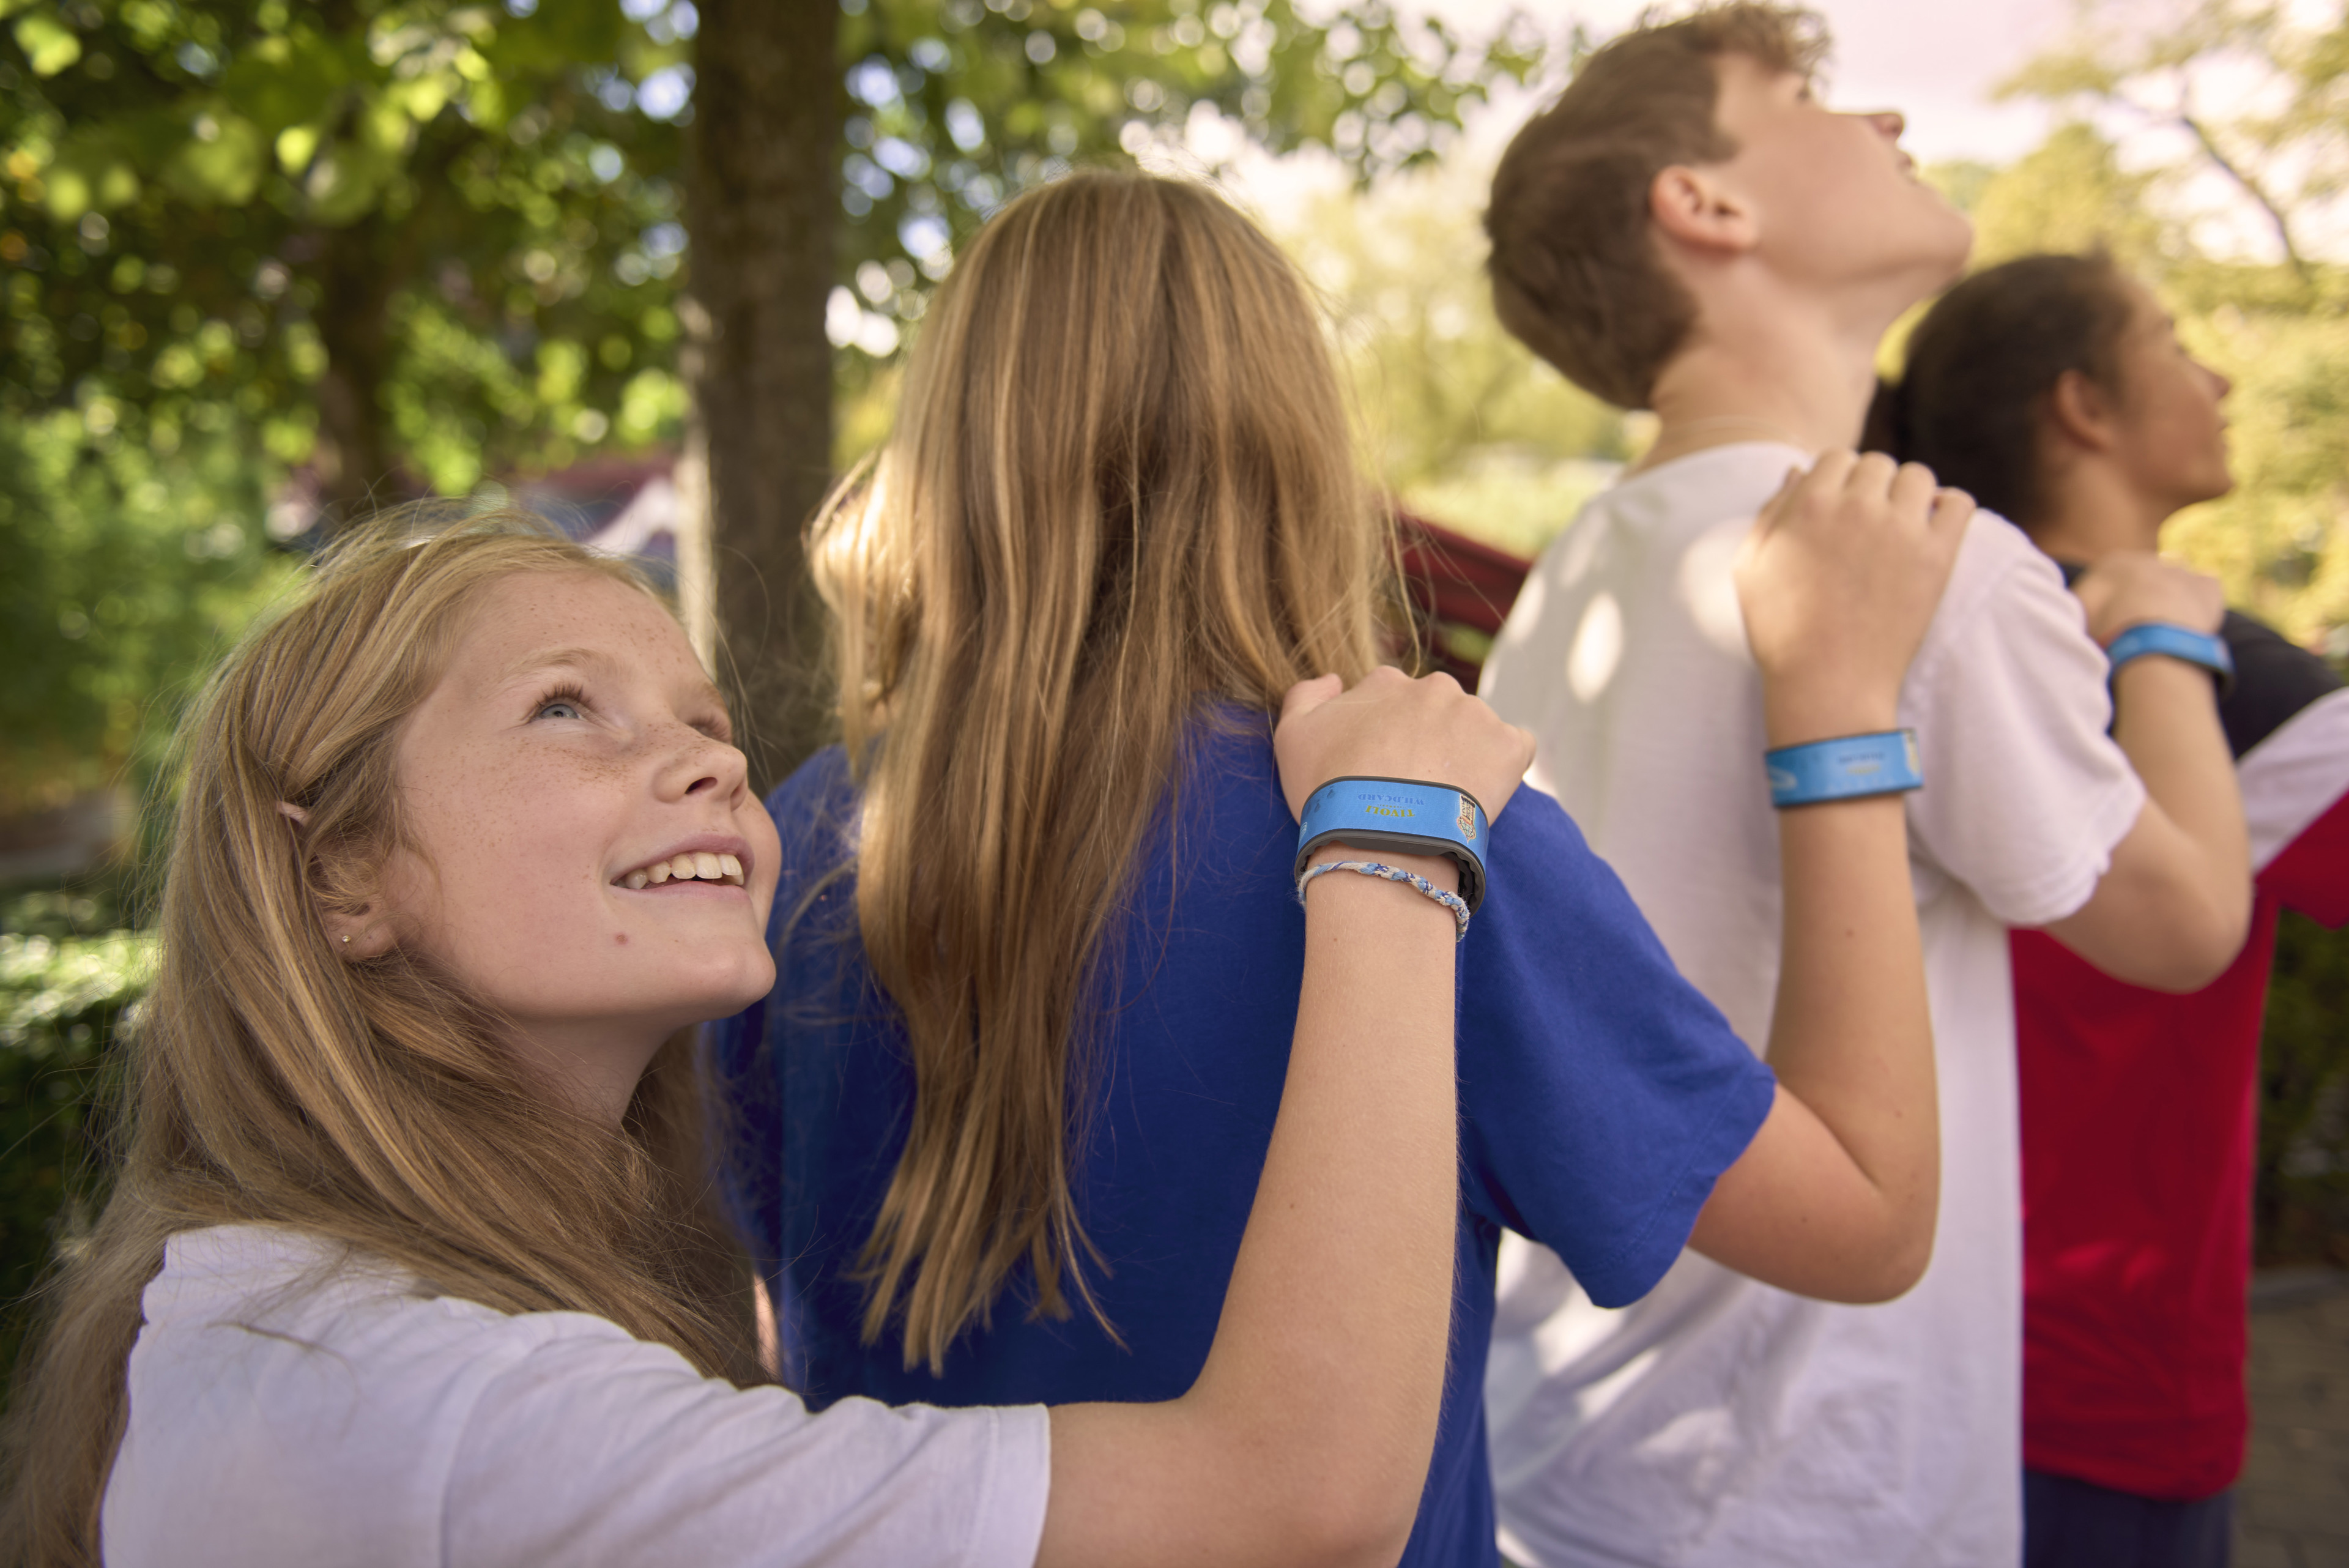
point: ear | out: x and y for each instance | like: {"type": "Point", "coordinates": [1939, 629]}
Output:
{"type": "Point", "coordinates": [364, 932]}
{"type": "Point", "coordinates": [1693, 207]}
{"type": "Point", "coordinates": [2081, 414]}
{"type": "Point", "coordinates": [360, 929]}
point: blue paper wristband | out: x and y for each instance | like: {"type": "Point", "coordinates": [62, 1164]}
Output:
{"type": "Point", "coordinates": [2176, 641]}
{"type": "Point", "coordinates": [1845, 768]}
{"type": "Point", "coordinates": [1398, 817]}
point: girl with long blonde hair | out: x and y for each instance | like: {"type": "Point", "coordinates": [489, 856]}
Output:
{"type": "Point", "coordinates": [997, 1130]}
{"type": "Point", "coordinates": [406, 1259]}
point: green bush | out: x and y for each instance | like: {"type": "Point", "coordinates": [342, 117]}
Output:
{"type": "Point", "coordinates": [65, 996]}
{"type": "Point", "coordinates": [2302, 1206]}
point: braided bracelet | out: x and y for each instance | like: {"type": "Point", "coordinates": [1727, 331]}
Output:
{"type": "Point", "coordinates": [1451, 901]}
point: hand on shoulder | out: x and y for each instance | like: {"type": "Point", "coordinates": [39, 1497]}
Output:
{"type": "Point", "coordinates": [2132, 588]}
{"type": "Point", "coordinates": [1387, 725]}
{"type": "Point", "coordinates": [1838, 580]}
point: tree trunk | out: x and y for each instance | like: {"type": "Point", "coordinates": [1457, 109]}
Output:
{"type": "Point", "coordinates": [356, 471]}
{"type": "Point", "coordinates": [762, 207]}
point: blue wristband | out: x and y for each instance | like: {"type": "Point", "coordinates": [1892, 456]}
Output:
{"type": "Point", "coordinates": [2178, 642]}
{"type": "Point", "coordinates": [1845, 768]}
{"type": "Point", "coordinates": [1398, 817]}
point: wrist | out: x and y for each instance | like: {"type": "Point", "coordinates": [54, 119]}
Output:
{"type": "Point", "coordinates": [1797, 713]}
{"type": "Point", "coordinates": [1440, 869]}
{"type": "Point", "coordinates": [1847, 767]}
{"type": "Point", "coordinates": [2169, 643]}
{"type": "Point", "coordinates": [2162, 680]}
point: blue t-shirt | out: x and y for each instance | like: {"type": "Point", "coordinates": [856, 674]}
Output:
{"type": "Point", "coordinates": [1600, 1097]}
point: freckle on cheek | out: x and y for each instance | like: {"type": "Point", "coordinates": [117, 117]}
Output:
{"type": "Point", "coordinates": [621, 937]}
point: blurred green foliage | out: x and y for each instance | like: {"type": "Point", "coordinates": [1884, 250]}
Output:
{"type": "Point", "coordinates": [2302, 1204]}
{"type": "Point", "coordinates": [123, 574]}
{"type": "Point", "coordinates": [1468, 427]}
{"type": "Point", "coordinates": [955, 106]}
{"type": "Point", "coordinates": [444, 238]}
{"type": "Point", "coordinates": [66, 984]}
{"type": "Point", "coordinates": [437, 237]}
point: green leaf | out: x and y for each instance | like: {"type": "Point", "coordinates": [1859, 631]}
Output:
{"type": "Point", "coordinates": [220, 169]}
{"type": "Point", "coordinates": [49, 45]}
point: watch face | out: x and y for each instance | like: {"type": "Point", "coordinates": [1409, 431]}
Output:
{"type": "Point", "coordinates": [1466, 821]}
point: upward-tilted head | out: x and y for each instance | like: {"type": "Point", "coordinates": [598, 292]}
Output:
{"type": "Point", "coordinates": [406, 998]}
{"type": "Point", "coordinates": [1693, 151]}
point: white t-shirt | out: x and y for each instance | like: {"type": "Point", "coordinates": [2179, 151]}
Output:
{"type": "Point", "coordinates": [288, 1406]}
{"type": "Point", "coordinates": [1719, 1421]}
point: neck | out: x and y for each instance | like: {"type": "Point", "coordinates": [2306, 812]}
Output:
{"type": "Point", "coordinates": [2094, 512]}
{"type": "Point", "coordinates": [1769, 369]}
{"type": "Point", "coordinates": [593, 1070]}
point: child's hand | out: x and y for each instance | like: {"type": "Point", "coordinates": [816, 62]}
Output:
{"type": "Point", "coordinates": [1838, 580]}
{"type": "Point", "coordinates": [1390, 726]}
{"type": "Point", "coordinates": [2130, 588]}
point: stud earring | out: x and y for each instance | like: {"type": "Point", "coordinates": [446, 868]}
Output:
{"type": "Point", "coordinates": [346, 938]}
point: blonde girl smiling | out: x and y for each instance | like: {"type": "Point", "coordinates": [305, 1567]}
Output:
{"type": "Point", "coordinates": [406, 1261]}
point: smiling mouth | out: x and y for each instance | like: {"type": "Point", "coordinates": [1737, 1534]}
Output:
{"type": "Point", "coordinates": [695, 866]}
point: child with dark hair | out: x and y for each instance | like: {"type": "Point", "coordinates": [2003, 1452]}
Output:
{"type": "Point", "coordinates": [2055, 387]}
{"type": "Point", "coordinates": [1687, 229]}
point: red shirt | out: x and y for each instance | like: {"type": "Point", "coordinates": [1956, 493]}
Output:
{"type": "Point", "coordinates": [2139, 1131]}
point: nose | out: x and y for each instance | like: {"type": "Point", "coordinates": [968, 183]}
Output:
{"type": "Point", "coordinates": [2219, 385]}
{"type": "Point", "coordinates": [702, 765]}
{"type": "Point", "coordinates": [1888, 122]}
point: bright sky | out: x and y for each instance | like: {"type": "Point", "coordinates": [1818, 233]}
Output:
{"type": "Point", "coordinates": [1936, 61]}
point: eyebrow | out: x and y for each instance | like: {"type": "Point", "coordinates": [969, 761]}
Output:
{"type": "Point", "coordinates": [551, 658]}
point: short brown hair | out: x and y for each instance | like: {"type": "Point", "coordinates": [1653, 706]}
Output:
{"type": "Point", "coordinates": [1575, 272]}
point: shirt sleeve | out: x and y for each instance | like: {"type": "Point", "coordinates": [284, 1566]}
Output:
{"type": "Point", "coordinates": [596, 1447]}
{"type": "Point", "coordinates": [1604, 1095]}
{"type": "Point", "coordinates": [2295, 787]}
{"type": "Point", "coordinates": [2025, 793]}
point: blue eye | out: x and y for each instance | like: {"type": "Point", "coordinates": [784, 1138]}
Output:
{"type": "Point", "coordinates": [563, 703]}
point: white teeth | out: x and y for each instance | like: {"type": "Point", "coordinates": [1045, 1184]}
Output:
{"type": "Point", "coordinates": [693, 864]}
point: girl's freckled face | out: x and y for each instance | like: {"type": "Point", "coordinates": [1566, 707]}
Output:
{"type": "Point", "coordinates": [574, 739]}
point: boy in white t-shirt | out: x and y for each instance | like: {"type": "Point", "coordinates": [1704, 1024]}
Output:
{"type": "Point", "coordinates": [1688, 230]}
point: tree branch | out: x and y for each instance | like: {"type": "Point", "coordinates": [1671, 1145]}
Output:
{"type": "Point", "coordinates": [2250, 187]}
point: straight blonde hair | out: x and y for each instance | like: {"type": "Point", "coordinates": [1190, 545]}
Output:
{"type": "Point", "coordinates": [1121, 484]}
{"type": "Point", "coordinates": [372, 1103]}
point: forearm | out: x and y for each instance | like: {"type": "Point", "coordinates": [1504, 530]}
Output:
{"type": "Point", "coordinates": [2166, 722]}
{"type": "Point", "coordinates": [1837, 1194]}
{"type": "Point", "coordinates": [1852, 1040]}
{"type": "Point", "coordinates": [2173, 905]}
{"type": "Point", "coordinates": [1307, 1435]}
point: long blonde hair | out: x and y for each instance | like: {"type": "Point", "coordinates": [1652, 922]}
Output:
{"type": "Point", "coordinates": [367, 1103]}
{"type": "Point", "coordinates": [1122, 481]}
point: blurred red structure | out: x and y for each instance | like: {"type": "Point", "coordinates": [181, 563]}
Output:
{"type": "Point", "coordinates": [1459, 591]}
